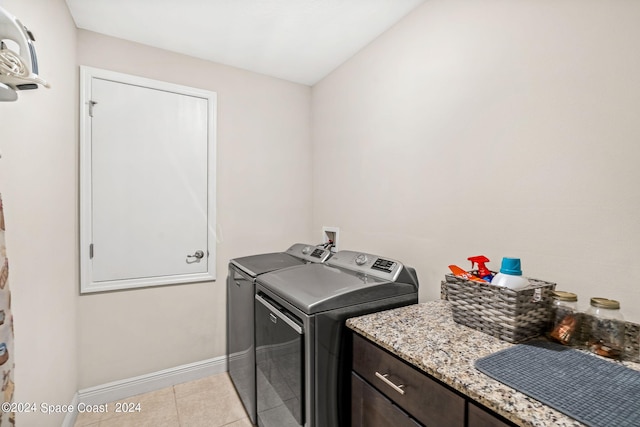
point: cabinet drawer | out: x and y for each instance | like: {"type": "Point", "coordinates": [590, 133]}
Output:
{"type": "Point", "coordinates": [369, 408]}
{"type": "Point", "coordinates": [424, 398]}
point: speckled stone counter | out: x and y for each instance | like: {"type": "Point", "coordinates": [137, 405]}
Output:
{"type": "Point", "coordinates": [426, 336]}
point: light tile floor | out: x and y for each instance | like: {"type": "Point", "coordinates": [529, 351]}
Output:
{"type": "Point", "coordinates": [208, 402]}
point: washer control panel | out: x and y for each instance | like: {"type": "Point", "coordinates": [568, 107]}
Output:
{"type": "Point", "coordinates": [373, 265]}
{"type": "Point", "coordinates": [385, 265]}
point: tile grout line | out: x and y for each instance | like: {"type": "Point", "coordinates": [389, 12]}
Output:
{"type": "Point", "coordinates": [175, 401]}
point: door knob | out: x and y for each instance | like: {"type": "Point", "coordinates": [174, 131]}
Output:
{"type": "Point", "coordinates": [198, 256]}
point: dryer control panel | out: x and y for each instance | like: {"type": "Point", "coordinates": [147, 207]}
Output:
{"type": "Point", "coordinates": [309, 253]}
{"type": "Point", "coordinates": [373, 265]}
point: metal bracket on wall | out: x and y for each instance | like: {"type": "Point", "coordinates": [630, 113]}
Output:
{"type": "Point", "coordinates": [91, 104]}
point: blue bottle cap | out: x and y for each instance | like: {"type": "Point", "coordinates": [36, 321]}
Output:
{"type": "Point", "coordinates": [511, 266]}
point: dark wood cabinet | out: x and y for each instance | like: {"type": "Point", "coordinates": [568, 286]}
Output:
{"type": "Point", "coordinates": [428, 401]}
{"type": "Point", "coordinates": [478, 417]}
{"type": "Point", "coordinates": [388, 392]}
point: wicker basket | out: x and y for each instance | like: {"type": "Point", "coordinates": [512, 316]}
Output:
{"type": "Point", "coordinates": [511, 315]}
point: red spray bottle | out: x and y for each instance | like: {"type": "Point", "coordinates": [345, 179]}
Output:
{"type": "Point", "coordinates": [483, 271]}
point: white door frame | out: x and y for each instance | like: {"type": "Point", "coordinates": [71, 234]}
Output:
{"type": "Point", "coordinates": [87, 284]}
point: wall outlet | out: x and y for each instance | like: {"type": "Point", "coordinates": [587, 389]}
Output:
{"type": "Point", "coordinates": [331, 234]}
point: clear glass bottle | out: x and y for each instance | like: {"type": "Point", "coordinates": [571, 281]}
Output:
{"type": "Point", "coordinates": [565, 322]}
{"type": "Point", "coordinates": [606, 334]}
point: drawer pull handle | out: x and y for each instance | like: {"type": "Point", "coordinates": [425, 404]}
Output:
{"type": "Point", "coordinates": [388, 382]}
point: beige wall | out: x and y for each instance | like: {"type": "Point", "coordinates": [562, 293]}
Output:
{"type": "Point", "coordinates": [263, 204]}
{"type": "Point", "coordinates": [38, 181]}
{"type": "Point", "coordinates": [491, 127]}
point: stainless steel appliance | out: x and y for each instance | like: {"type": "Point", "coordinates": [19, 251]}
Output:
{"type": "Point", "coordinates": [240, 309]}
{"type": "Point", "coordinates": [302, 352]}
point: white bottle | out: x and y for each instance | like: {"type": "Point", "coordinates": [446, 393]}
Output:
{"type": "Point", "coordinates": [510, 275]}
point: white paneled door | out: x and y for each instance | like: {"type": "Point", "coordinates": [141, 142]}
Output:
{"type": "Point", "coordinates": [150, 190]}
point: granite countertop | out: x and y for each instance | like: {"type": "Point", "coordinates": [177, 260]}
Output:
{"type": "Point", "coordinates": [426, 336]}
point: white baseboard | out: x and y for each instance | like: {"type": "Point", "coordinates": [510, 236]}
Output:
{"type": "Point", "coordinates": [154, 381]}
{"type": "Point", "coordinates": [128, 387]}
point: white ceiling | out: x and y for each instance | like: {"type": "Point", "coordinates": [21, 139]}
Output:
{"type": "Point", "coordinates": [297, 40]}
